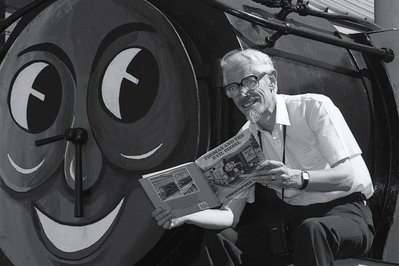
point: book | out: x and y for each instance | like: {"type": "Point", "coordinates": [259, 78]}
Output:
{"type": "Point", "coordinates": [213, 179]}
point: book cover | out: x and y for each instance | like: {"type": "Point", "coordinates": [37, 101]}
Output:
{"type": "Point", "coordinates": [225, 166]}
{"type": "Point", "coordinates": [213, 179]}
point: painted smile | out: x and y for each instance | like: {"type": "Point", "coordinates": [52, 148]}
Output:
{"type": "Point", "coordinates": [71, 238]}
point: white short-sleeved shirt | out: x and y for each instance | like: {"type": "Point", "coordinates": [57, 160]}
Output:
{"type": "Point", "coordinates": [317, 137]}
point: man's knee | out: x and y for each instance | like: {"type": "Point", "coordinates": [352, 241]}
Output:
{"type": "Point", "coordinates": [309, 231]}
{"type": "Point", "coordinates": [312, 246]}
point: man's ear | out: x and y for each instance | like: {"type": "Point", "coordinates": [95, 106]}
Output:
{"type": "Point", "coordinates": [273, 80]}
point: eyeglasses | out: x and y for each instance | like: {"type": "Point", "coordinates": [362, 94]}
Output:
{"type": "Point", "coordinates": [233, 89]}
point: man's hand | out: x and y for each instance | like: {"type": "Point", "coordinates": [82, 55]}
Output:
{"type": "Point", "coordinates": [275, 173]}
{"type": "Point", "coordinates": [165, 219]}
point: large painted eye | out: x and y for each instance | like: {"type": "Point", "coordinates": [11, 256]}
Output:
{"type": "Point", "coordinates": [35, 96]}
{"type": "Point", "coordinates": [143, 100]}
{"type": "Point", "coordinates": [130, 84]}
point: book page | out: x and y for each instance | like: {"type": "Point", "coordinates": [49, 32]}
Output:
{"type": "Point", "coordinates": [225, 166]}
{"type": "Point", "coordinates": [183, 189]}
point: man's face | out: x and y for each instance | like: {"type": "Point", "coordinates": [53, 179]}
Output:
{"type": "Point", "coordinates": [260, 100]}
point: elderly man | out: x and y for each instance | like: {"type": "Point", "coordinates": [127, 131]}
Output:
{"type": "Point", "coordinates": [313, 164]}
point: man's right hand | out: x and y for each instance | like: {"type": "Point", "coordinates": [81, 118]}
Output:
{"type": "Point", "coordinates": [276, 173]}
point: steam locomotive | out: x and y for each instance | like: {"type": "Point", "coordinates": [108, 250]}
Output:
{"type": "Point", "coordinates": [95, 94]}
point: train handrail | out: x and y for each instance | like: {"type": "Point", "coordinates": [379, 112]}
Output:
{"type": "Point", "coordinates": [285, 28]}
{"type": "Point", "coordinates": [303, 9]}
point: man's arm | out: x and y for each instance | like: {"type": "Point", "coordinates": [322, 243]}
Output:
{"type": "Point", "coordinates": [338, 177]}
{"type": "Point", "coordinates": [226, 216]}
{"type": "Point", "coordinates": [274, 173]}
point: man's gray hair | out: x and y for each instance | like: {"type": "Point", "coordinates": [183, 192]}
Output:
{"type": "Point", "coordinates": [247, 56]}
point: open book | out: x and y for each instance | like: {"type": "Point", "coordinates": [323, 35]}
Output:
{"type": "Point", "coordinates": [214, 178]}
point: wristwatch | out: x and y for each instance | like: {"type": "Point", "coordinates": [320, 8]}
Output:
{"type": "Point", "coordinates": [305, 179]}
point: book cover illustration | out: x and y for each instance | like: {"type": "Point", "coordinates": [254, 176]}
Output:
{"type": "Point", "coordinates": [225, 166]}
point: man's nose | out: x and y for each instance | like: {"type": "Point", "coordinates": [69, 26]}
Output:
{"type": "Point", "coordinates": [243, 91]}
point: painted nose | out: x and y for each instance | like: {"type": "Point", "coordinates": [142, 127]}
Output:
{"type": "Point", "coordinates": [78, 137]}
{"type": "Point", "coordinates": [79, 169]}
{"type": "Point", "coordinates": [83, 159]}
{"type": "Point", "coordinates": [90, 161]}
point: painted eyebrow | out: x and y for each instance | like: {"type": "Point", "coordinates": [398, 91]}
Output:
{"type": "Point", "coordinates": [116, 34]}
{"type": "Point", "coordinates": [56, 51]}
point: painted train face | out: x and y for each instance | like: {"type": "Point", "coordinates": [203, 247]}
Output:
{"type": "Point", "coordinates": [127, 80]}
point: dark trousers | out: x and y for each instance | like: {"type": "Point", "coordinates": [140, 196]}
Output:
{"type": "Point", "coordinates": [320, 234]}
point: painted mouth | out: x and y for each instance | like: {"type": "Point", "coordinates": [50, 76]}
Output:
{"type": "Point", "coordinates": [74, 238]}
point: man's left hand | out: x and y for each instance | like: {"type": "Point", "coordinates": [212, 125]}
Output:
{"type": "Point", "coordinates": [165, 218]}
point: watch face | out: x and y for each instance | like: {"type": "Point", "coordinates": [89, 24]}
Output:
{"type": "Point", "coordinates": [305, 179]}
{"type": "Point", "coordinates": [305, 175]}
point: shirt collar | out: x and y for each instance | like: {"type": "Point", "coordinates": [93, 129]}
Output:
{"type": "Point", "coordinates": [282, 117]}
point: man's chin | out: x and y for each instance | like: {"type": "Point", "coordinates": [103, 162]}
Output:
{"type": "Point", "coordinates": [253, 116]}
